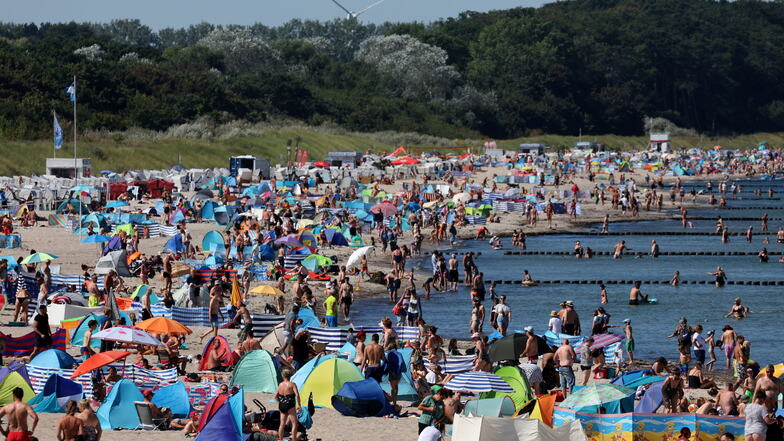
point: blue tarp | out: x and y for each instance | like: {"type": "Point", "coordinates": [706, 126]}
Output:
{"type": "Point", "coordinates": [174, 244]}
{"type": "Point", "coordinates": [634, 379]}
{"type": "Point", "coordinates": [361, 399]}
{"type": "Point", "coordinates": [55, 395]}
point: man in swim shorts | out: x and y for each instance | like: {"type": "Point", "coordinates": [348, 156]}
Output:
{"type": "Point", "coordinates": [374, 355]}
{"type": "Point", "coordinates": [17, 413]}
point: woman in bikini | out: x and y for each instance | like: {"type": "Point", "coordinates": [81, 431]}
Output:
{"type": "Point", "coordinates": [288, 404]}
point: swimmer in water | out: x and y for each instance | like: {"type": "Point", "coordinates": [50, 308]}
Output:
{"type": "Point", "coordinates": [619, 249]}
{"type": "Point", "coordinates": [738, 311]}
{"type": "Point", "coordinates": [676, 279]}
{"type": "Point", "coordinates": [721, 277]}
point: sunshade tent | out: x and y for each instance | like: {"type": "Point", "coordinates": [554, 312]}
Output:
{"type": "Point", "coordinates": [652, 399]}
{"type": "Point", "coordinates": [634, 379]}
{"type": "Point", "coordinates": [467, 428]}
{"type": "Point", "coordinates": [336, 238]}
{"type": "Point", "coordinates": [75, 203]}
{"type": "Point", "coordinates": [57, 392]}
{"type": "Point", "coordinates": [143, 289]}
{"type": "Point", "coordinates": [479, 382]}
{"type": "Point", "coordinates": [118, 411]}
{"type": "Point", "coordinates": [126, 228]}
{"type": "Point", "coordinates": [541, 408]}
{"type": "Point", "coordinates": [611, 397]}
{"type": "Point", "coordinates": [405, 388]}
{"type": "Point", "coordinates": [175, 397]}
{"type": "Point", "coordinates": [96, 238]}
{"type": "Point", "coordinates": [314, 261]}
{"type": "Point", "coordinates": [225, 423]}
{"type": "Point", "coordinates": [328, 378]}
{"type": "Point", "coordinates": [362, 399]}
{"type": "Point", "coordinates": [213, 240]}
{"type": "Point", "coordinates": [10, 380]}
{"type": "Point", "coordinates": [53, 358]}
{"type": "Point", "coordinates": [224, 349]}
{"type": "Point", "coordinates": [495, 407]}
{"type": "Point", "coordinates": [519, 382]}
{"type": "Point", "coordinates": [255, 372]}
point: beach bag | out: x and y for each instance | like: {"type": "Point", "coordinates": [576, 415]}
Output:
{"type": "Point", "coordinates": [397, 309]}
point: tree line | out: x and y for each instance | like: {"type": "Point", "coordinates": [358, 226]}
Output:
{"type": "Point", "coordinates": [596, 66]}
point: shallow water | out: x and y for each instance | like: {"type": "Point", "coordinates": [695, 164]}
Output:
{"type": "Point", "coordinates": [704, 304]}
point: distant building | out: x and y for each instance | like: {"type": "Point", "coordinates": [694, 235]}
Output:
{"type": "Point", "coordinates": [531, 149]}
{"type": "Point", "coordinates": [587, 147]}
{"type": "Point", "coordinates": [339, 159]}
{"type": "Point", "coordinates": [660, 142]}
{"type": "Point", "coordinates": [247, 164]}
{"type": "Point", "coordinates": [67, 167]}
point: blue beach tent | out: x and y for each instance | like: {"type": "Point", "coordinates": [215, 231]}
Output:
{"type": "Point", "coordinates": [57, 392]}
{"type": "Point", "coordinates": [175, 397]}
{"type": "Point", "coordinates": [362, 399]}
{"type": "Point", "coordinates": [118, 410]}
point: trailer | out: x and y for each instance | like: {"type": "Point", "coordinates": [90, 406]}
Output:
{"type": "Point", "coordinates": [69, 167]}
{"type": "Point", "coordinates": [245, 167]}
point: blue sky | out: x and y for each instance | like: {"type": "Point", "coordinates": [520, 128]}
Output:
{"type": "Point", "coordinates": [178, 13]}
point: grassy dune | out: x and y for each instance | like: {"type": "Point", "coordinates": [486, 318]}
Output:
{"type": "Point", "coordinates": [28, 157]}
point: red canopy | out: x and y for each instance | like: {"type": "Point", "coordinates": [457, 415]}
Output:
{"type": "Point", "coordinates": [321, 164]}
{"type": "Point", "coordinates": [405, 161]}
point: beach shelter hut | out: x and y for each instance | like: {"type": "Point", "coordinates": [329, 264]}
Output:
{"type": "Point", "coordinates": [118, 411]}
{"type": "Point", "coordinates": [175, 397]}
{"type": "Point", "coordinates": [328, 378]}
{"type": "Point", "coordinates": [11, 378]}
{"type": "Point", "coordinates": [174, 244]}
{"type": "Point", "coordinates": [495, 407]}
{"type": "Point", "coordinates": [517, 379]}
{"type": "Point", "coordinates": [53, 358]}
{"type": "Point", "coordinates": [213, 240]}
{"type": "Point", "coordinates": [225, 423]}
{"type": "Point", "coordinates": [611, 397]}
{"type": "Point", "coordinates": [470, 428]}
{"type": "Point", "coordinates": [255, 372]}
{"type": "Point", "coordinates": [362, 399]}
{"type": "Point", "coordinates": [224, 348]}
{"type": "Point", "coordinates": [57, 392]}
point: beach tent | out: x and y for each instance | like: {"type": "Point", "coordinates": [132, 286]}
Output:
{"type": "Point", "coordinates": [174, 244]}
{"type": "Point", "coordinates": [208, 210]}
{"type": "Point", "coordinates": [517, 379]}
{"type": "Point", "coordinates": [118, 411]}
{"type": "Point", "coordinates": [652, 399]}
{"type": "Point", "coordinates": [175, 397]}
{"type": "Point", "coordinates": [541, 408]}
{"type": "Point", "coordinates": [212, 406]}
{"type": "Point", "coordinates": [225, 350]}
{"type": "Point", "coordinates": [77, 335]}
{"type": "Point", "coordinates": [328, 378]}
{"type": "Point", "coordinates": [226, 422]}
{"type": "Point", "coordinates": [84, 208]}
{"type": "Point", "coordinates": [636, 378]}
{"type": "Point", "coordinates": [57, 392]}
{"type": "Point", "coordinates": [274, 339]}
{"type": "Point", "coordinates": [336, 238]}
{"type": "Point", "coordinates": [362, 399]}
{"type": "Point", "coordinates": [115, 260]}
{"type": "Point", "coordinates": [304, 372]}
{"type": "Point", "coordinates": [213, 240]}
{"type": "Point", "coordinates": [610, 397]}
{"type": "Point", "coordinates": [11, 379]}
{"type": "Point", "coordinates": [495, 407]}
{"type": "Point", "coordinates": [349, 350]}
{"type": "Point", "coordinates": [467, 428]}
{"type": "Point", "coordinates": [405, 388]}
{"type": "Point", "coordinates": [221, 215]}
{"type": "Point", "coordinates": [53, 358]}
{"type": "Point", "coordinates": [255, 372]}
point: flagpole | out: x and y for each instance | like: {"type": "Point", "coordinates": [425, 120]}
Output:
{"type": "Point", "coordinates": [76, 169]}
{"type": "Point", "coordinates": [54, 144]}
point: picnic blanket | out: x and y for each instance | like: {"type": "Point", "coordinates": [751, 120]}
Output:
{"type": "Point", "coordinates": [24, 345]}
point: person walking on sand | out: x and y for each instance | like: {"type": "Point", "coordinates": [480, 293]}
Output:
{"type": "Point", "coordinates": [288, 404]}
{"type": "Point", "coordinates": [503, 315]}
{"type": "Point", "coordinates": [215, 313]}
{"type": "Point", "coordinates": [17, 413]}
{"type": "Point", "coordinates": [565, 358]}
{"type": "Point", "coordinates": [627, 330]}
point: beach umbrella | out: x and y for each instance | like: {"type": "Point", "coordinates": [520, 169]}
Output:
{"type": "Point", "coordinates": [461, 197]}
{"type": "Point", "coordinates": [353, 259]}
{"type": "Point", "coordinates": [96, 238]}
{"type": "Point", "coordinates": [99, 360]}
{"type": "Point", "coordinates": [117, 204]}
{"type": "Point", "coordinates": [38, 258]}
{"type": "Point", "coordinates": [596, 395]}
{"type": "Point", "coordinates": [127, 334]}
{"type": "Point", "coordinates": [163, 325]}
{"type": "Point", "coordinates": [386, 208]}
{"type": "Point", "coordinates": [314, 261]}
{"type": "Point", "coordinates": [508, 348]}
{"type": "Point", "coordinates": [479, 382]}
{"type": "Point", "coordinates": [266, 290]}
{"type": "Point", "coordinates": [82, 189]}
{"type": "Point", "coordinates": [289, 241]}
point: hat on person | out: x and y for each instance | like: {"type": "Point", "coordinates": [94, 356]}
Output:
{"type": "Point", "coordinates": [726, 328]}
{"type": "Point", "coordinates": [475, 335]}
{"type": "Point", "coordinates": [529, 329]}
{"type": "Point", "coordinates": [569, 303]}
{"type": "Point", "coordinates": [553, 313]}
{"type": "Point", "coordinates": [329, 285]}
{"type": "Point", "coordinates": [627, 320]}
{"type": "Point", "coordinates": [711, 332]}
{"type": "Point", "coordinates": [436, 388]}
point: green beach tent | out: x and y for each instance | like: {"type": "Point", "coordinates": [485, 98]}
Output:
{"type": "Point", "coordinates": [255, 372]}
{"type": "Point", "coordinates": [518, 381]}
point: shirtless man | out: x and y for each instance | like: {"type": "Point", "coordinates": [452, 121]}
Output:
{"type": "Point", "coordinates": [570, 319]}
{"type": "Point", "coordinates": [17, 413]}
{"type": "Point", "coordinates": [727, 400]}
{"type": "Point", "coordinates": [215, 359]}
{"type": "Point", "coordinates": [770, 385]}
{"type": "Point", "coordinates": [531, 350]}
{"type": "Point", "coordinates": [249, 344]}
{"type": "Point", "coordinates": [728, 338]}
{"type": "Point", "coordinates": [620, 247]}
{"type": "Point", "coordinates": [243, 315]}
{"type": "Point", "coordinates": [86, 351]}
{"type": "Point", "coordinates": [374, 355]}
{"type": "Point", "coordinates": [146, 305]}
{"type": "Point", "coordinates": [738, 311]}
{"type": "Point", "coordinates": [215, 311]}
{"type": "Point", "coordinates": [565, 358]}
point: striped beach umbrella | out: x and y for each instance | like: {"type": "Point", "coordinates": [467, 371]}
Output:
{"type": "Point", "coordinates": [479, 382]}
